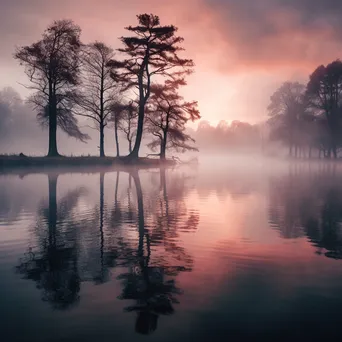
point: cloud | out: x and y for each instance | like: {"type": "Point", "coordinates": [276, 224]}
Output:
{"type": "Point", "coordinates": [23, 21]}
{"type": "Point", "coordinates": [246, 48]}
{"type": "Point", "coordinates": [226, 34]}
{"type": "Point", "coordinates": [278, 33]}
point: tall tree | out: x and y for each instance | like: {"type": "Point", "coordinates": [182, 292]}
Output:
{"type": "Point", "coordinates": [167, 116]}
{"type": "Point", "coordinates": [324, 91]}
{"type": "Point", "coordinates": [53, 66]}
{"type": "Point", "coordinates": [286, 109]}
{"type": "Point", "coordinates": [152, 50]}
{"type": "Point", "coordinates": [98, 88]}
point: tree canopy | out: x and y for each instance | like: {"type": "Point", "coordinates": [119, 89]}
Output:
{"type": "Point", "coordinates": [167, 117]}
{"type": "Point", "coordinates": [52, 65]}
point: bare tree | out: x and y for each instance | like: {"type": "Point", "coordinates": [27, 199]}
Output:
{"type": "Point", "coordinates": [53, 67]}
{"type": "Point", "coordinates": [151, 51]}
{"type": "Point", "coordinates": [167, 116]}
{"type": "Point", "coordinates": [98, 89]}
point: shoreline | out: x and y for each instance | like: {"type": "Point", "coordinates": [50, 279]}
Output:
{"type": "Point", "coordinates": [13, 164]}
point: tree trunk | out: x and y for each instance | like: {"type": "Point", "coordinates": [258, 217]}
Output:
{"type": "Point", "coordinates": [332, 128]}
{"type": "Point", "coordinates": [116, 138]}
{"type": "Point", "coordinates": [290, 150]}
{"type": "Point", "coordinates": [128, 134]}
{"type": "Point", "coordinates": [310, 150]}
{"type": "Point", "coordinates": [102, 153]}
{"type": "Point", "coordinates": [162, 151]}
{"type": "Point", "coordinates": [135, 152]}
{"type": "Point", "coordinates": [53, 152]}
{"type": "Point", "coordinates": [163, 146]}
{"type": "Point", "coordinates": [296, 151]}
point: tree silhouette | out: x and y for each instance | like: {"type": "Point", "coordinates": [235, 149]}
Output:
{"type": "Point", "coordinates": [98, 89]}
{"type": "Point", "coordinates": [167, 116]}
{"type": "Point", "coordinates": [287, 110]}
{"type": "Point", "coordinates": [324, 92]}
{"type": "Point", "coordinates": [53, 67]}
{"type": "Point", "coordinates": [151, 51]}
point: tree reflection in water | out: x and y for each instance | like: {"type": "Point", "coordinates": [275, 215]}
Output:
{"type": "Point", "coordinates": [309, 204]}
{"type": "Point", "coordinates": [70, 249]}
{"type": "Point", "coordinates": [53, 266]}
{"type": "Point", "coordinates": [152, 285]}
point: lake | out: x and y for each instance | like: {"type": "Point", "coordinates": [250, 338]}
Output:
{"type": "Point", "coordinates": [224, 251]}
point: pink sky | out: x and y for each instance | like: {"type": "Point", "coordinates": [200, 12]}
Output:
{"type": "Point", "coordinates": [243, 50]}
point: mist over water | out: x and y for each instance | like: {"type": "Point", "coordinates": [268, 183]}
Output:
{"type": "Point", "coordinates": [244, 247]}
{"type": "Point", "coordinates": [218, 214]}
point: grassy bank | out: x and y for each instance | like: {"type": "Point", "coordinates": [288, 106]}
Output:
{"type": "Point", "coordinates": [15, 162]}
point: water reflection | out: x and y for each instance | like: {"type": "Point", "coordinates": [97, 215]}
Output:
{"type": "Point", "coordinates": [159, 253]}
{"type": "Point", "coordinates": [146, 284]}
{"type": "Point", "coordinates": [73, 245]}
{"type": "Point", "coordinates": [149, 281]}
{"type": "Point", "coordinates": [53, 264]}
{"type": "Point", "coordinates": [309, 204]}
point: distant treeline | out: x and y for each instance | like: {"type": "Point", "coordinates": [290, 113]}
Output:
{"type": "Point", "coordinates": [237, 136]}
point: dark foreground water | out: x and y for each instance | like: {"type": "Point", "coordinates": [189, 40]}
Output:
{"type": "Point", "coordinates": [231, 253]}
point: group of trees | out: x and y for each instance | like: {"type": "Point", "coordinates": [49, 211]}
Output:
{"type": "Point", "coordinates": [308, 118]}
{"type": "Point", "coordinates": [137, 92]}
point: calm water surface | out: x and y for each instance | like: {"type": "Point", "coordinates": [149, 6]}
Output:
{"type": "Point", "coordinates": [217, 253]}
